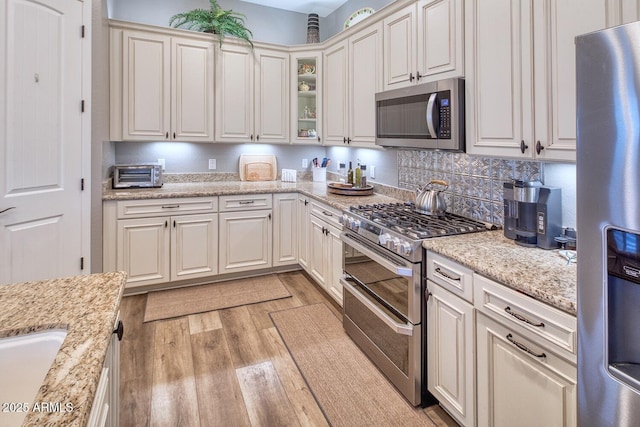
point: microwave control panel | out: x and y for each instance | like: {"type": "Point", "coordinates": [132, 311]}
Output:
{"type": "Point", "coordinates": [444, 131]}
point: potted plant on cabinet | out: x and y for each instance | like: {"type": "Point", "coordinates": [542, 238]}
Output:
{"type": "Point", "coordinates": [214, 20]}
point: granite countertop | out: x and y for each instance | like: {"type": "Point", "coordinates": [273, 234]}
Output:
{"type": "Point", "coordinates": [87, 307]}
{"type": "Point", "coordinates": [541, 274]}
{"type": "Point", "coordinates": [316, 190]}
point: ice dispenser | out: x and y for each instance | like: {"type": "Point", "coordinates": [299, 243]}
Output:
{"type": "Point", "coordinates": [623, 300]}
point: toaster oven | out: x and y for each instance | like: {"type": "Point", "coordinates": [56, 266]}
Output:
{"type": "Point", "coordinates": [147, 175]}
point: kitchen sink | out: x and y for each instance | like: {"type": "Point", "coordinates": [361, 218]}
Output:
{"type": "Point", "coordinates": [24, 363]}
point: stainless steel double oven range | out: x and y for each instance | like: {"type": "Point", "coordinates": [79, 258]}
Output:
{"type": "Point", "coordinates": [383, 287]}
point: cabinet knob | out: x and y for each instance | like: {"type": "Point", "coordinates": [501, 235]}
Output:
{"type": "Point", "coordinates": [411, 77]}
{"type": "Point", "coordinates": [344, 139]}
{"type": "Point", "coordinates": [166, 135]}
{"type": "Point", "coordinates": [539, 147]}
{"type": "Point", "coordinates": [119, 330]}
{"type": "Point", "coordinates": [257, 137]}
{"type": "Point", "coordinates": [418, 75]}
{"type": "Point", "coordinates": [251, 137]}
{"type": "Point", "coordinates": [523, 146]}
{"type": "Point", "coordinates": [348, 140]}
{"type": "Point", "coordinates": [174, 135]}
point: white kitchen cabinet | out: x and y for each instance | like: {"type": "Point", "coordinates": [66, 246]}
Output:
{"type": "Point", "coordinates": [161, 86]}
{"type": "Point", "coordinates": [304, 227]}
{"type": "Point", "coordinates": [451, 337]}
{"type": "Point", "coordinates": [106, 403]}
{"type": "Point", "coordinates": [326, 249]}
{"type": "Point", "coordinates": [353, 72]}
{"type": "Point", "coordinates": [521, 380]}
{"type": "Point", "coordinates": [526, 359]}
{"type": "Point", "coordinates": [285, 229]}
{"type": "Point", "coordinates": [306, 97]}
{"type": "Point", "coordinates": [252, 94]}
{"type": "Point", "coordinates": [520, 75]}
{"type": "Point", "coordinates": [161, 240]}
{"type": "Point", "coordinates": [246, 233]}
{"type": "Point", "coordinates": [424, 42]}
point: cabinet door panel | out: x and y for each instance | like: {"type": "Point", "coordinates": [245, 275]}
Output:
{"type": "Point", "coordinates": [285, 229]}
{"type": "Point", "coordinates": [146, 87]}
{"type": "Point", "coordinates": [143, 250]}
{"type": "Point", "coordinates": [192, 90]}
{"type": "Point", "coordinates": [365, 79]}
{"type": "Point", "coordinates": [400, 48]}
{"type": "Point", "coordinates": [515, 385]}
{"type": "Point", "coordinates": [335, 94]}
{"type": "Point", "coordinates": [245, 240]}
{"type": "Point", "coordinates": [194, 246]}
{"type": "Point", "coordinates": [234, 94]}
{"type": "Point", "coordinates": [304, 222]}
{"type": "Point", "coordinates": [272, 96]}
{"type": "Point", "coordinates": [334, 264]}
{"type": "Point", "coordinates": [440, 39]}
{"type": "Point", "coordinates": [318, 252]}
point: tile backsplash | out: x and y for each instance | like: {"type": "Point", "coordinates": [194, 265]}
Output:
{"type": "Point", "coordinates": [475, 183]}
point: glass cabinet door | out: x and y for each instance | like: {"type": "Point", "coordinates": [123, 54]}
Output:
{"type": "Point", "coordinates": [306, 96]}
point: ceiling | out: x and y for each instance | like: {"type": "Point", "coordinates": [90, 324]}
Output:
{"type": "Point", "coordinates": [321, 7]}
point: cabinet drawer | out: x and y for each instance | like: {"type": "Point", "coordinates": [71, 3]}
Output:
{"type": "Point", "coordinates": [160, 207]}
{"type": "Point", "coordinates": [452, 276]}
{"type": "Point", "coordinates": [245, 202]}
{"type": "Point", "coordinates": [326, 213]}
{"type": "Point", "coordinates": [521, 311]}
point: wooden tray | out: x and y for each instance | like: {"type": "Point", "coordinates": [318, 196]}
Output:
{"type": "Point", "coordinates": [337, 188]}
{"type": "Point", "coordinates": [257, 167]}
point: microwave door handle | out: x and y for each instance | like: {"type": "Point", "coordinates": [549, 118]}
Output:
{"type": "Point", "coordinates": [431, 105]}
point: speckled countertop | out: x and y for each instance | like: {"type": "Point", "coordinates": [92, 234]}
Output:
{"type": "Point", "coordinates": [87, 307]}
{"type": "Point", "coordinates": [541, 274]}
{"type": "Point", "coordinates": [317, 190]}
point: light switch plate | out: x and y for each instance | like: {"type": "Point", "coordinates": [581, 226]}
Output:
{"type": "Point", "coordinates": [372, 172]}
{"type": "Point", "coordinates": [162, 163]}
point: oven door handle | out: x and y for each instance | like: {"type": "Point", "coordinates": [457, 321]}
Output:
{"type": "Point", "coordinates": [398, 267]}
{"type": "Point", "coordinates": [399, 328]}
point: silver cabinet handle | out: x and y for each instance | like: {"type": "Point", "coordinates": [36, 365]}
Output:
{"type": "Point", "coordinates": [246, 202]}
{"type": "Point", "coordinates": [170, 206]}
{"type": "Point", "coordinates": [327, 213]}
{"type": "Point", "coordinates": [7, 209]}
{"type": "Point", "coordinates": [521, 318]}
{"type": "Point", "coordinates": [524, 347]}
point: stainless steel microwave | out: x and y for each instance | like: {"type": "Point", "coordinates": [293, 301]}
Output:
{"type": "Point", "coordinates": [137, 176]}
{"type": "Point", "coordinates": [428, 115]}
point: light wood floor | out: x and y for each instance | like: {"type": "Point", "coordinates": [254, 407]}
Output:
{"type": "Point", "coordinates": [221, 368]}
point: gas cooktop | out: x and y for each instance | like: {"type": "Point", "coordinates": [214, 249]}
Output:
{"type": "Point", "coordinates": [401, 228]}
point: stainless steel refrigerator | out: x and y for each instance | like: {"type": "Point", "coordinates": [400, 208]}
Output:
{"type": "Point", "coordinates": [608, 219]}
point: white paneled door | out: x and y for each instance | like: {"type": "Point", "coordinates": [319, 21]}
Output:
{"type": "Point", "coordinates": [41, 128]}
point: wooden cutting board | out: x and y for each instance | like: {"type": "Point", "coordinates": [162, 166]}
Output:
{"type": "Point", "coordinates": [258, 167]}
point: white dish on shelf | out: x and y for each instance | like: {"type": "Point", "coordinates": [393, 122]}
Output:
{"type": "Point", "coordinates": [358, 16]}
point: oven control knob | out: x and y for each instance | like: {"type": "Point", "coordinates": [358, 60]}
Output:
{"type": "Point", "coordinates": [406, 249]}
{"type": "Point", "coordinates": [384, 238]}
{"type": "Point", "coordinates": [393, 243]}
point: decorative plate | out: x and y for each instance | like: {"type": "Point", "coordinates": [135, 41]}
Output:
{"type": "Point", "coordinates": [358, 16]}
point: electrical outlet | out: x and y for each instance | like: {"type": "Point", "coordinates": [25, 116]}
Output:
{"type": "Point", "coordinates": [372, 172]}
{"type": "Point", "coordinates": [212, 164]}
{"type": "Point", "coordinates": [305, 163]}
{"type": "Point", "coordinates": [162, 163]}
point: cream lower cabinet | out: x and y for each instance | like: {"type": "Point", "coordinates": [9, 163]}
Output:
{"type": "Point", "coordinates": [285, 229]}
{"type": "Point", "coordinates": [304, 227]}
{"type": "Point", "coordinates": [106, 403]}
{"type": "Point", "coordinates": [520, 75]}
{"type": "Point", "coordinates": [353, 72]}
{"type": "Point", "coordinates": [246, 234]}
{"type": "Point", "coordinates": [161, 85]}
{"type": "Point", "coordinates": [326, 249]}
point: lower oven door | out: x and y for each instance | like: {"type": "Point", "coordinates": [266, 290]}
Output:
{"type": "Point", "coordinates": [393, 344]}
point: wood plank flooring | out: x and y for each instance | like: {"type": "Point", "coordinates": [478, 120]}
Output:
{"type": "Point", "coordinates": [221, 368]}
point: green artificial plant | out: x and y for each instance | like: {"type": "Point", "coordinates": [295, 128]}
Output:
{"type": "Point", "coordinates": [214, 20]}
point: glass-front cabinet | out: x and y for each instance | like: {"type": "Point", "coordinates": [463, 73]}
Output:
{"type": "Point", "coordinates": [306, 93]}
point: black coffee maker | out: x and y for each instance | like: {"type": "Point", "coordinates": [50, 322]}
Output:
{"type": "Point", "coordinates": [532, 213]}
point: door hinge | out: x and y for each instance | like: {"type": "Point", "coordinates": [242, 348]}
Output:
{"type": "Point", "coordinates": [81, 263]}
{"type": "Point", "coordinates": [82, 106]}
{"type": "Point", "coordinates": [82, 31]}
{"type": "Point", "coordinates": [82, 184]}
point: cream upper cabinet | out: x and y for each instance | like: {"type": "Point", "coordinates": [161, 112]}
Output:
{"type": "Point", "coordinates": [520, 75]}
{"type": "Point", "coordinates": [335, 108]}
{"type": "Point", "coordinates": [252, 94]}
{"type": "Point", "coordinates": [353, 70]}
{"type": "Point", "coordinates": [424, 42]}
{"type": "Point", "coordinates": [306, 97]}
{"type": "Point", "coordinates": [161, 86]}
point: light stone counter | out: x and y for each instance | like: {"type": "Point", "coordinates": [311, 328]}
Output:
{"type": "Point", "coordinates": [541, 274]}
{"type": "Point", "coordinates": [316, 190]}
{"type": "Point", "coordinates": [87, 307]}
